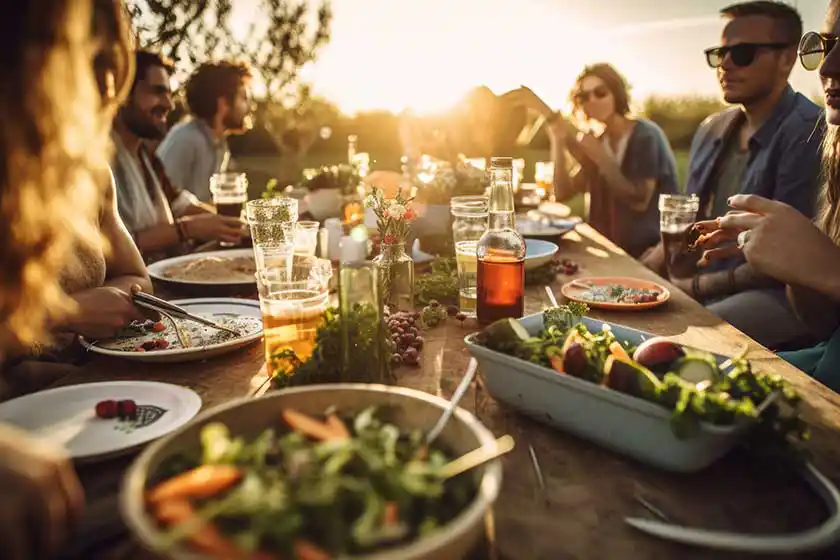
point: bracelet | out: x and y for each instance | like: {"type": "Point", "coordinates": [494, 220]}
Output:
{"type": "Point", "coordinates": [695, 287]}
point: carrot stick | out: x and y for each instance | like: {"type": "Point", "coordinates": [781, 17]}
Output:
{"type": "Point", "coordinates": [201, 482]}
{"type": "Point", "coordinates": [617, 350]}
{"type": "Point", "coordinates": [337, 426]}
{"type": "Point", "coordinates": [556, 364]}
{"type": "Point", "coordinates": [308, 425]}
{"type": "Point", "coordinates": [205, 537]}
{"type": "Point", "coordinates": [305, 550]}
{"type": "Point", "coordinates": [392, 513]}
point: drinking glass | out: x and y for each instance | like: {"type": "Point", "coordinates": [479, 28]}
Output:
{"type": "Point", "coordinates": [230, 193]}
{"type": "Point", "coordinates": [469, 217]}
{"type": "Point", "coordinates": [292, 302]}
{"type": "Point", "coordinates": [272, 222]}
{"type": "Point", "coordinates": [306, 238]}
{"type": "Point", "coordinates": [544, 177]}
{"type": "Point", "coordinates": [467, 262]}
{"type": "Point", "coordinates": [677, 213]}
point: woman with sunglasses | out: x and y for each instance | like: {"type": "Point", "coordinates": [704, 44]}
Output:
{"type": "Point", "coordinates": [623, 169]}
{"type": "Point", "coordinates": [779, 241]}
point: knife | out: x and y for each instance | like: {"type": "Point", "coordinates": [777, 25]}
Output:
{"type": "Point", "coordinates": [811, 540]}
{"type": "Point", "coordinates": [148, 301]}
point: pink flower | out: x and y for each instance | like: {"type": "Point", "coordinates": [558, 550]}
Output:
{"type": "Point", "coordinates": [409, 215]}
{"type": "Point", "coordinates": [390, 239]}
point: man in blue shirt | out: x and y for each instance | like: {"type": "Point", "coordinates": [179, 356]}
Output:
{"type": "Point", "coordinates": [768, 144]}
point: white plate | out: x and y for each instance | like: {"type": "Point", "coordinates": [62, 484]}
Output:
{"type": "Point", "coordinates": [538, 252]}
{"type": "Point", "coordinates": [67, 416]}
{"type": "Point", "coordinates": [222, 310]}
{"type": "Point", "coordinates": [158, 269]}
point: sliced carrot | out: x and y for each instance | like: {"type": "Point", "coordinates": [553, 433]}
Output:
{"type": "Point", "coordinates": [309, 426]}
{"type": "Point", "coordinates": [305, 550]}
{"type": "Point", "coordinates": [617, 350]}
{"type": "Point", "coordinates": [201, 482]}
{"type": "Point", "coordinates": [206, 536]}
{"type": "Point", "coordinates": [337, 425]}
{"type": "Point", "coordinates": [556, 364]}
{"type": "Point", "coordinates": [392, 513]}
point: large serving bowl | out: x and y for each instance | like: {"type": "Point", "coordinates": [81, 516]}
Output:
{"type": "Point", "coordinates": [407, 408]}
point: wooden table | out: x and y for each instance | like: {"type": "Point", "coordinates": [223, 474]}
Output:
{"type": "Point", "coordinates": [590, 490]}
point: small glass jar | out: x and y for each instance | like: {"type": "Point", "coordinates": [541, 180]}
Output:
{"type": "Point", "coordinates": [469, 217]}
{"type": "Point", "coordinates": [396, 277]}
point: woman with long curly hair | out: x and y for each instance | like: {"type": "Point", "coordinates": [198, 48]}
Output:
{"type": "Point", "coordinates": [54, 178]}
{"type": "Point", "coordinates": [624, 168]}
{"type": "Point", "coordinates": [782, 243]}
{"type": "Point", "coordinates": [98, 267]}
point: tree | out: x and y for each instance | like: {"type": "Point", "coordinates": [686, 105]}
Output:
{"type": "Point", "coordinates": [280, 37]}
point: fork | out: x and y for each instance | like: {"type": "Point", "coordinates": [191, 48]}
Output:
{"type": "Point", "coordinates": [183, 337]}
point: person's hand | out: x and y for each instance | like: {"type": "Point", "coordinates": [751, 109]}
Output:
{"type": "Point", "coordinates": [213, 226]}
{"type": "Point", "coordinates": [101, 312]}
{"type": "Point", "coordinates": [684, 284]}
{"type": "Point", "coordinates": [42, 497]}
{"type": "Point", "coordinates": [525, 97]}
{"type": "Point", "coordinates": [776, 239]}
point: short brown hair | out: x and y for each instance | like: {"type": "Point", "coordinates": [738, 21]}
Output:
{"type": "Point", "coordinates": [211, 81]}
{"type": "Point", "coordinates": [145, 59]}
{"type": "Point", "coordinates": [787, 19]}
{"type": "Point", "coordinates": [614, 81]}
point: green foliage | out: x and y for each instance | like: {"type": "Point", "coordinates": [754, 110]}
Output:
{"type": "Point", "coordinates": [679, 117]}
{"type": "Point", "coordinates": [440, 284]}
{"type": "Point", "coordinates": [279, 40]}
{"type": "Point", "coordinates": [344, 177]}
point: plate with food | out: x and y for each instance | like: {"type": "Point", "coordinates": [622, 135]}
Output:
{"type": "Point", "coordinates": [234, 267]}
{"type": "Point", "coordinates": [161, 341]}
{"type": "Point", "coordinates": [647, 397]}
{"type": "Point", "coordinates": [617, 293]}
{"type": "Point", "coordinates": [327, 471]}
{"type": "Point", "coordinates": [100, 420]}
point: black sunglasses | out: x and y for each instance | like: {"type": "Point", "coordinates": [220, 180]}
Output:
{"type": "Point", "coordinates": [742, 54]}
{"type": "Point", "coordinates": [598, 92]}
{"type": "Point", "coordinates": [814, 48]}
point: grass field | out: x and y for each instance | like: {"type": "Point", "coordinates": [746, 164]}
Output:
{"type": "Point", "coordinates": [261, 169]}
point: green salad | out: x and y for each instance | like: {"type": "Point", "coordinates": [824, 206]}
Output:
{"type": "Point", "coordinates": [314, 488]}
{"type": "Point", "coordinates": [690, 383]}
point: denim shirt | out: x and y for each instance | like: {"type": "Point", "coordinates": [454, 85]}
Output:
{"type": "Point", "coordinates": [648, 156]}
{"type": "Point", "coordinates": [784, 159]}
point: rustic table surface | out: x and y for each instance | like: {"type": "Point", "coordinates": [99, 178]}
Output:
{"type": "Point", "coordinates": [588, 490]}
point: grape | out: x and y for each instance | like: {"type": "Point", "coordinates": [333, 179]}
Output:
{"type": "Point", "coordinates": [452, 310]}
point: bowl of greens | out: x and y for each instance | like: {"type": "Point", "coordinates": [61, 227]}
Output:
{"type": "Point", "coordinates": [647, 397]}
{"type": "Point", "coordinates": [326, 471]}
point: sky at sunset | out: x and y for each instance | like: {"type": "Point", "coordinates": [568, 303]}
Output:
{"type": "Point", "coordinates": [392, 54]}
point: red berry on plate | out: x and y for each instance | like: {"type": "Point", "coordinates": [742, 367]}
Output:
{"type": "Point", "coordinates": [161, 343]}
{"type": "Point", "coordinates": [149, 345]}
{"type": "Point", "coordinates": [106, 409]}
{"type": "Point", "coordinates": [126, 409]}
{"type": "Point", "coordinates": [159, 327]}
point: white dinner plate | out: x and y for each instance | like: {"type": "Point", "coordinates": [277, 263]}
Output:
{"type": "Point", "coordinates": [67, 416]}
{"type": "Point", "coordinates": [158, 270]}
{"type": "Point", "coordinates": [240, 314]}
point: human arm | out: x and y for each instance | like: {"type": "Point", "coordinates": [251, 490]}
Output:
{"type": "Point", "coordinates": [41, 496]}
{"type": "Point", "coordinates": [201, 226]}
{"type": "Point", "coordinates": [782, 243]}
{"type": "Point", "coordinates": [124, 266]}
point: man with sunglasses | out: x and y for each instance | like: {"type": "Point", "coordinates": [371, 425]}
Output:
{"type": "Point", "coordinates": [769, 145]}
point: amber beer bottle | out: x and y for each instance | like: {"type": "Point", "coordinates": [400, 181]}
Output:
{"type": "Point", "coordinates": [501, 252]}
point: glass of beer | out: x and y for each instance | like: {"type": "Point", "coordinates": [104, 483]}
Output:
{"type": "Point", "coordinates": [677, 213]}
{"type": "Point", "coordinates": [230, 193]}
{"type": "Point", "coordinates": [466, 259]}
{"type": "Point", "coordinates": [292, 304]}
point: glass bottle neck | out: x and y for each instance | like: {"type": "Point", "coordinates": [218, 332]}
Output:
{"type": "Point", "coordinates": [501, 208]}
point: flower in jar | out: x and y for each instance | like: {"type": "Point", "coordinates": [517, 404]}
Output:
{"type": "Point", "coordinates": [370, 201]}
{"type": "Point", "coordinates": [389, 239]}
{"type": "Point", "coordinates": [395, 210]}
{"type": "Point", "coordinates": [410, 214]}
